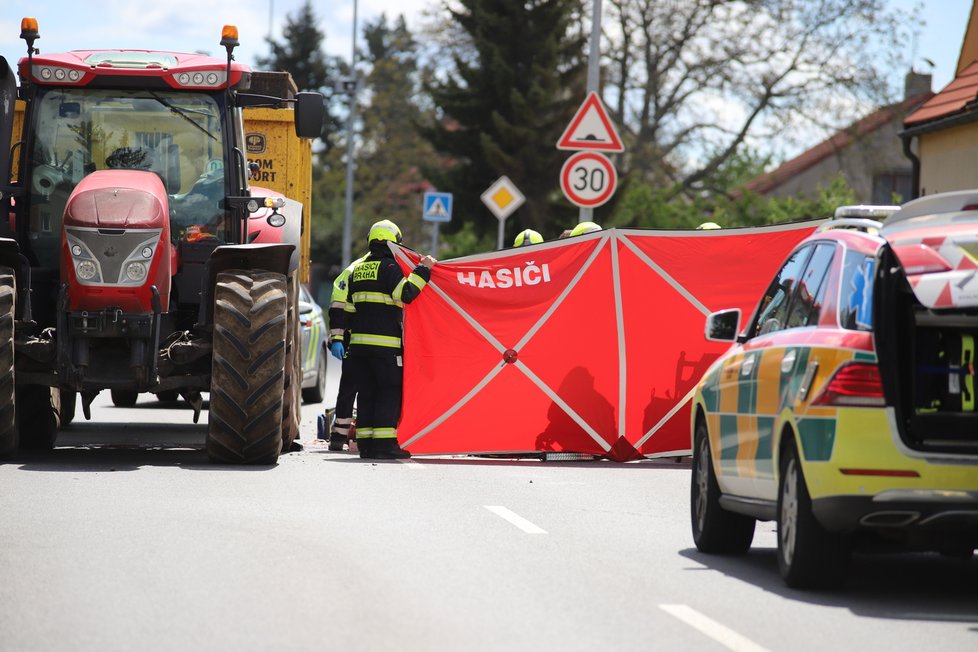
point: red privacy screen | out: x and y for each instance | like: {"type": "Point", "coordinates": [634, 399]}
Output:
{"type": "Point", "coordinates": [590, 344]}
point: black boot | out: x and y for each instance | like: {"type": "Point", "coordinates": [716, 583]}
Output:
{"type": "Point", "coordinates": [388, 449]}
{"type": "Point", "coordinates": [365, 446]}
{"type": "Point", "coordinates": [337, 441]}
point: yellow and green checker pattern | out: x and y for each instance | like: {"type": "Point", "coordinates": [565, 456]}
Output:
{"type": "Point", "coordinates": [753, 394]}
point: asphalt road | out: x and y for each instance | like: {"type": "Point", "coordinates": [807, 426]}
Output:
{"type": "Point", "coordinates": [126, 538]}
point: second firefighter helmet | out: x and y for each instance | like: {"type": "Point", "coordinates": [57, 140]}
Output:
{"type": "Point", "coordinates": [527, 237]}
{"type": "Point", "coordinates": [384, 230]}
{"type": "Point", "coordinates": [585, 227]}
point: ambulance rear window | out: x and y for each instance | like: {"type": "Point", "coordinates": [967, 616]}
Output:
{"type": "Point", "coordinates": [856, 292]}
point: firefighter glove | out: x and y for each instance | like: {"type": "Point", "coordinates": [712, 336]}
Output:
{"type": "Point", "coordinates": [336, 348]}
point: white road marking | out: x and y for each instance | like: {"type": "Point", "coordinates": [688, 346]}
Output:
{"type": "Point", "coordinates": [411, 464]}
{"type": "Point", "coordinates": [515, 519]}
{"type": "Point", "coordinates": [719, 633]}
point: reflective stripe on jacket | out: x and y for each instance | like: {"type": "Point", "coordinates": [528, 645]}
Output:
{"type": "Point", "coordinates": [338, 320]}
{"type": "Point", "coordinates": [376, 295]}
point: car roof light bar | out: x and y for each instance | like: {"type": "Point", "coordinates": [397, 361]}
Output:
{"type": "Point", "coordinates": [856, 223]}
{"type": "Point", "coordinates": [871, 211]}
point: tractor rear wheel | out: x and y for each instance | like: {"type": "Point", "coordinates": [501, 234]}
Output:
{"type": "Point", "coordinates": [247, 367]}
{"type": "Point", "coordinates": [8, 415]}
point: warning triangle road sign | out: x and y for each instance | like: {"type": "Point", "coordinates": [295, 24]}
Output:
{"type": "Point", "coordinates": [591, 128]}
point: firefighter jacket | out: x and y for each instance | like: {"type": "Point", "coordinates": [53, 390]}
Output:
{"type": "Point", "coordinates": [375, 301]}
{"type": "Point", "coordinates": [338, 316]}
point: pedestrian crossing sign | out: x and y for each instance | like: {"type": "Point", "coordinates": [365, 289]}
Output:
{"type": "Point", "coordinates": [437, 207]}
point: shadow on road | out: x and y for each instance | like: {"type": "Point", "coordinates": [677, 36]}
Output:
{"type": "Point", "coordinates": [907, 586]}
{"type": "Point", "coordinates": [510, 460]}
{"type": "Point", "coordinates": [112, 447]}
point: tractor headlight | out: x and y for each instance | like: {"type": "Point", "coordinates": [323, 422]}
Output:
{"type": "Point", "coordinates": [136, 271]}
{"type": "Point", "coordinates": [147, 252]}
{"type": "Point", "coordinates": [86, 270]}
{"type": "Point", "coordinates": [76, 250]}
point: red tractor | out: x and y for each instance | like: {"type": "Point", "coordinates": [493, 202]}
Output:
{"type": "Point", "coordinates": [128, 263]}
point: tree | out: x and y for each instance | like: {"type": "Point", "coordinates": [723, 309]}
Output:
{"type": "Point", "coordinates": [692, 82]}
{"type": "Point", "coordinates": [388, 182]}
{"type": "Point", "coordinates": [392, 151]}
{"type": "Point", "coordinates": [646, 206]}
{"type": "Point", "coordinates": [514, 81]}
{"type": "Point", "coordinates": [301, 54]}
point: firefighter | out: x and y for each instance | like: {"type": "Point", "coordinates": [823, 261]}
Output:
{"type": "Point", "coordinates": [376, 295]}
{"type": "Point", "coordinates": [339, 342]}
{"type": "Point", "coordinates": [584, 227]}
{"type": "Point", "coordinates": [527, 237]}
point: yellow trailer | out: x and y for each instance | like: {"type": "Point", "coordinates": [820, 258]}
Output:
{"type": "Point", "coordinates": [281, 161]}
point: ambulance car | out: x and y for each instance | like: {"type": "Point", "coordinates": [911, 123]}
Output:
{"type": "Point", "coordinates": [845, 408]}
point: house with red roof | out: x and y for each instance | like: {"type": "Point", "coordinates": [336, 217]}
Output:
{"type": "Point", "coordinates": [941, 137]}
{"type": "Point", "coordinates": [868, 154]}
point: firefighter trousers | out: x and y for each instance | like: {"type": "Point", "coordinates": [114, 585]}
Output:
{"type": "Point", "coordinates": [345, 397]}
{"type": "Point", "coordinates": [379, 380]}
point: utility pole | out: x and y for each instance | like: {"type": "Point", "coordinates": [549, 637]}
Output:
{"type": "Point", "coordinates": [348, 211]}
{"type": "Point", "coordinates": [593, 74]}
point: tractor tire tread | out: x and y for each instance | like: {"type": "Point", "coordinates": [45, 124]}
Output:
{"type": "Point", "coordinates": [9, 439]}
{"type": "Point", "coordinates": [245, 419]}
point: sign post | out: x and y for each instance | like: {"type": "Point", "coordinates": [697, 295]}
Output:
{"type": "Point", "coordinates": [437, 208]}
{"type": "Point", "coordinates": [502, 198]}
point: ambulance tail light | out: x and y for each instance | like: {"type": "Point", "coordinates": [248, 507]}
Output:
{"type": "Point", "coordinates": [854, 384]}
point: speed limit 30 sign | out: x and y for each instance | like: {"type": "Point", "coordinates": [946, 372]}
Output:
{"type": "Point", "coordinates": [588, 179]}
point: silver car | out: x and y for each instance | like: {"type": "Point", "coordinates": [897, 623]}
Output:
{"type": "Point", "coordinates": [315, 347]}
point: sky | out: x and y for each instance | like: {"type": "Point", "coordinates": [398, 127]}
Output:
{"type": "Point", "coordinates": [185, 25]}
{"type": "Point", "coordinates": [940, 37]}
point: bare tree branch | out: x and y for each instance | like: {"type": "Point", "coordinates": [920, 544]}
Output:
{"type": "Point", "coordinates": [695, 80]}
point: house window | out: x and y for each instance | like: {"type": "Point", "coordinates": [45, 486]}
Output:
{"type": "Point", "coordinates": [888, 184]}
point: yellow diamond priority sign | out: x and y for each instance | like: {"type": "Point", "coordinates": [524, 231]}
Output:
{"type": "Point", "coordinates": [502, 198]}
